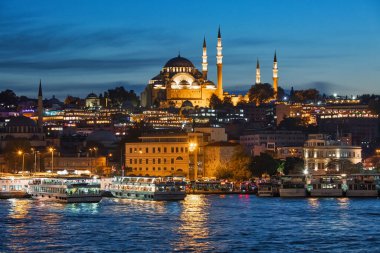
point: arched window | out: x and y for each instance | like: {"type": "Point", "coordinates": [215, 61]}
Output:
{"type": "Point", "coordinates": [179, 158]}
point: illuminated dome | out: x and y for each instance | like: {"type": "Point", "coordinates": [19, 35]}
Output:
{"type": "Point", "coordinates": [91, 95]}
{"type": "Point", "coordinates": [184, 83]}
{"type": "Point", "coordinates": [179, 62]}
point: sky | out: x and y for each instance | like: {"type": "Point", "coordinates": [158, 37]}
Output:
{"type": "Point", "coordinates": [80, 46]}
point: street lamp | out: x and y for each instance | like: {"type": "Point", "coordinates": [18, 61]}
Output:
{"type": "Point", "coordinates": [20, 152]}
{"type": "Point", "coordinates": [51, 149]}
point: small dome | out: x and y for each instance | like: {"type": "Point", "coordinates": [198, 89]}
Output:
{"type": "Point", "coordinates": [187, 103]}
{"type": "Point", "coordinates": [179, 62]}
{"type": "Point", "coordinates": [184, 83]}
{"type": "Point", "coordinates": [21, 121]}
{"type": "Point", "coordinates": [91, 95]}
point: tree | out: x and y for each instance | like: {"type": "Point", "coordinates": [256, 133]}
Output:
{"type": "Point", "coordinates": [119, 96]}
{"type": "Point", "coordinates": [293, 165]}
{"type": "Point", "coordinates": [303, 96]}
{"type": "Point", "coordinates": [345, 166]}
{"type": "Point", "coordinates": [227, 103]}
{"type": "Point", "coordinates": [280, 93]}
{"type": "Point", "coordinates": [215, 102]}
{"type": "Point", "coordinates": [263, 164]}
{"type": "Point", "coordinates": [260, 93]}
{"type": "Point", "coordinates": [8, 97]}
{"type": "Point", "coordinates": [237, 168]}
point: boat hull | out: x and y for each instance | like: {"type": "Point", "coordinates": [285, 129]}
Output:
{"type": "Point", "coordinates": [293, 193]}
{"type": "Point", "coordinates": [61, 198]}
{"type": "Point", "coordinates": [326, 193]}
{"type": "Point", "coordinates": [362, 193]}
{"type": "Point", "coordinates": [13, 195]}
{"type": "Point", "coordinates": [157, 196]}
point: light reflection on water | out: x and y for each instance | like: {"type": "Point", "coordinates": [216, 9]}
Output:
{"type": "Point", "coordinates": [225, 223]}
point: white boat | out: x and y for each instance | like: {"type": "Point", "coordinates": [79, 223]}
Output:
{"type": "Point", "coordinates": [293, 186]}
{"type": "Point", "coordinates": [148, 188]}
{"type": "Point", "coordinates": [363, 185]}
{"type": "Point", "coordinates": [13, 187]}
{"type": "Point", "coordinates": [66, 189]}
{"type": "Point", "coordinates": [326, 186]}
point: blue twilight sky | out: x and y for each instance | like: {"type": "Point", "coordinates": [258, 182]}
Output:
{"type": "Point", "coordinates": [78, 46]}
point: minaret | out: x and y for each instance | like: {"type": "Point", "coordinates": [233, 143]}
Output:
{"type": "Point", "coordinates": [275, 75]}
{"type": "Point", "coordinates": [219, 66]}
{"type": "Point", "coordinates": [258, 76]}
{"type": "Point", "coordinates": [204, 60]}
{"type": "Point", "coordinates": [40, 108]}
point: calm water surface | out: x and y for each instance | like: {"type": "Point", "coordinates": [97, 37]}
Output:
{"type": "Point", "coordinates": [231, 223]}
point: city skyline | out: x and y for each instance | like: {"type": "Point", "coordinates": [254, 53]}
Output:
{"type": "Point", "coordinates": [76, 49]}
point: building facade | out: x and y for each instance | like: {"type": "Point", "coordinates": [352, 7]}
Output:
{"type": "Point", "coordinates": [322, 155]}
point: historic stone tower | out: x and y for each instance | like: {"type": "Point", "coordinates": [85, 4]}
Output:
{"type": "Point", "coordinates": [40, 108]}
{"type": "Point", "coordinates": [275, 75]}
{"type": "Point", "coordinates": [204, 60]}
{"type": "Point", "coordinates": [219, 65]}
{"type": "Point", "coordinates": [258, 76]}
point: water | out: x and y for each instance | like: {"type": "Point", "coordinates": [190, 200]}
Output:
{"type": "Point", "coordinates": [231, 223]}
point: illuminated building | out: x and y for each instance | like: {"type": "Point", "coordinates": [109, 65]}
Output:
{"type": "Point", "coordinates": [161, 119]}
{"type": "Point", "coordinates": [320, 152]}
{"type": "Point", "coordinates": [176, 154]}
{"type": "Point", "coordinates": [92, 101]}
{"type": "Point", "coordinates": [262, 141]}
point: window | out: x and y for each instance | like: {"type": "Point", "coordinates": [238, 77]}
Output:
{"type": "Point", "coordinates": [130, 161]}
{"type": "Point", "coordinates": [164, 168]}
{"type": "Point", "coordinates": [154, 168]}
{"type": "Point", "coordinates": [153, 150]}
{"type": "Point", "coordinates": [146, 150]}
{"type": "Point", "coordinates": [154, 161]}
{"type": "Point", "coordinates": [165, 150]}
{"type": "Point", "coordinates": [172, 160]}
{"type": "Point", "coordinates": [140, 161]}
{"type": "Point", "coordinates": [159, 150]}
{"type": "Point", "coordinates": [172, 149]}
{"type": "Point", "coordinates": [135, 161]}
{"type": "Point", "coordinates": [159, 160]}
{"type": "Point", "coordinates": [176, 149]}
{"type": "Point", "coordinates": [179, 158]}
{"type": "Point", "coordinates": [146, 161]}
{"type": "Point", "coordinates": [130, 150]}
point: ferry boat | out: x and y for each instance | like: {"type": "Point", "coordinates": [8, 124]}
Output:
{"type": "Point", "coordinates": [13, 187]}
{"type": "Point", "coordinates": [267, 189]}
{"type": "Point", "coordinates": [293, 186]}
{"type": "Point", "coordinates": [148, 188]}
{"type": "Point", "coordinates": [326, 186]}
{"type": "Point", "coordinates": [363, 185]}
{"type": "Point", "coordinates": [210, 187]}
{"type": "Point", "coordinates": [66, 189]}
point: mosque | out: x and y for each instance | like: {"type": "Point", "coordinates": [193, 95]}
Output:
{"type": "Point", "coordinates": [180, 84]}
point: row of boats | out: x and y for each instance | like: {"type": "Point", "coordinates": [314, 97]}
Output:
{"type": "Point", "coordinates": [355, 185]}
{"type": "Point", "coordinates": [74, 189]}
{"type": "Point", "coordinates": [91, 190]}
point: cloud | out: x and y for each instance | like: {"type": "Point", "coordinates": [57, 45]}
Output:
{"type": "Point", "coordinates": [82, 64]}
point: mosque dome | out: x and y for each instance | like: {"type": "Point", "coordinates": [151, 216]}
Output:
{"type": "Point", "coordinates": [21, 121]}
{"type": "Point", "coordinates": [184, 83]}
{"type": "Point", "coordinates": [21, 124]}
{"type": "Point", "coordinates": [179, 62]}
{"type": "Point", "coordinates": [91, 95]}
{"type": "Point", "coordinates": [187, 103]}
